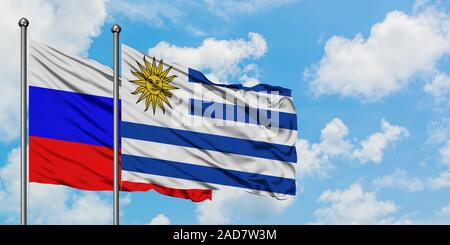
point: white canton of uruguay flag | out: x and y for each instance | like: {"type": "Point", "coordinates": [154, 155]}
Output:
{"type": "Point", "coordinates": [182, 131]}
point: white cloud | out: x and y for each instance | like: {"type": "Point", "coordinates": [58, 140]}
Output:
{"type": "Point", "coordinates": [314, 159]}
{"type": "Point", "coordinates": [439, 86]}
{"type": "Point", "coordinates": [60, 205]}
{"type": "Point", "coordinates": [332, 138]}
{"type": "Point", "coordinates": [399, 179]}
{"type": "Point", "coordinates": [445, 153]}
{"type": "Point", "coordinates": [229, 8]}
{"type": "Point", "coordinates": [67, 25]}
{"type": "Point", "coordinates": [444, 211]}
{"type": "Point", "coordinates": [9, 183]}
{"type": "Point", "coordinates": [160, 219]}
{"type": "Point", "coordinates": [311, 161]}
{"type": "Point", "coordinates": [250, 75]}
{"type": "Point", "coordinates": [50, 204]}
{"type": "Point", "coordinates": [373, 147]}
{"type": "Point", "coordinates": [231, 206]}
{"type": "Point", "coordinates": [397, 49]}
{"type": "Point", "coordinates": [441, 181]}
{"type": "Point", "coordinates": [225, 66]}
{"type": "Point", "coordinates": [354, 206]}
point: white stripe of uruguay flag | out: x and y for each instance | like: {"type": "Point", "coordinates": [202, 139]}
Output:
{"type": "Point", "coordinates": [182, 131]}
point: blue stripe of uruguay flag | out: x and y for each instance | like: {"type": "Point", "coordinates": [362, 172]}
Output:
{"type": "Point", "coordinates": [182, 131]}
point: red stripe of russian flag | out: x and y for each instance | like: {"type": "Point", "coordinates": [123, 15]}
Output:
{"type": "Point", "coordinates": [88, 167]}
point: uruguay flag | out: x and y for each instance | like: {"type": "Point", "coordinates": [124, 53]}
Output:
{"type": "Point", "coordinates": [71, 124]}
{"type": "Point", "coordinates": [181, 130]}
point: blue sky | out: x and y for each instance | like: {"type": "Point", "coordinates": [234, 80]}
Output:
{"type": "Point", "coordinates": [370, 82]}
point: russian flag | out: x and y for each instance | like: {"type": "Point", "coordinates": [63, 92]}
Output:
{"type": "Point", "coordinates": [71, 125]}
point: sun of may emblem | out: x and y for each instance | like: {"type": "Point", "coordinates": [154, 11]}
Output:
{"type": "Point", "coordinates": [153, 85]}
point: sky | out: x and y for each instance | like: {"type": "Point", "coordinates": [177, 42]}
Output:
{"type": "Point", "coordinates": [370, 82]}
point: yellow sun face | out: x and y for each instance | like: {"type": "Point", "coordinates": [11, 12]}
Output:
{"type": "Point", "coordinates": [153, 85]}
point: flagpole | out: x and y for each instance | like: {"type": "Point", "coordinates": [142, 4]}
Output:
{"type": "Point", "coordinates": [23, 23]}
{"type": "Point", "coordinates": [116, 30]}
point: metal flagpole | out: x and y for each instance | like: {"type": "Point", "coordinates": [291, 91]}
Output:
{"type": "Point", "coordinates": [116, 30]}
{"type": "Point", "coordinates": [23, 23]}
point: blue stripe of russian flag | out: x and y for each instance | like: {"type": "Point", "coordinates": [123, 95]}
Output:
{"type": "Point", "coordinates": [70, 116]}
